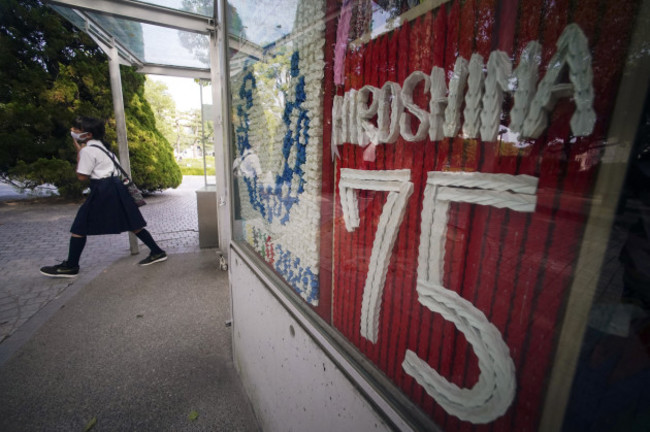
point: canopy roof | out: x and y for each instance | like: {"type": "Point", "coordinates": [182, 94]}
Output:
{"type": "Point", "coordinates": [167, 37]}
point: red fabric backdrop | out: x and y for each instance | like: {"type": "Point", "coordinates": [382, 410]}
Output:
{"type": "Point", "coordinates": [515, 267]}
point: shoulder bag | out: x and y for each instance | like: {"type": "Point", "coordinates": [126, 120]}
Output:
{"type": "Point", "coordinates": [135, 193]}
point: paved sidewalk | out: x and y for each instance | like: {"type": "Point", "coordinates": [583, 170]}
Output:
{"type": "Point", "coordinates": [34, 234]}
{"type": "Point", "coordinates": [138, 348]}
{"type": "Point", "coordinates": [149, 351]}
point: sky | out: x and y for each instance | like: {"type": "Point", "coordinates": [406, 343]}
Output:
{"type": "Point", "coordinates": [184, 91]}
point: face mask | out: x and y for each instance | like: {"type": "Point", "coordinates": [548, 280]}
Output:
{"type": "Point", "coordinates": [78, 136]}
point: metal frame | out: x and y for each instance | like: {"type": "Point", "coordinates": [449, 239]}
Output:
{"type": "Point", "coordinates": [145, 13]}
{"type": "Point", "coordinates": [220, 91]}
{"type": "Point", "coordinates": [159, 16]}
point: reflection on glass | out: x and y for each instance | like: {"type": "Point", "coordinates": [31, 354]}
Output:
{"type": "Point", "coordinates": [610, 389]}
{"type": "Point", "coordinates": [262, 22]}
{"type": "Point", "coordinates": [200, 7]}
{"type": "Point", "coordinates": [278, 134]}
{"type": "Point", "coordinates": [444, 239]}
{"type": "Point", "coordinates": [128, 32]}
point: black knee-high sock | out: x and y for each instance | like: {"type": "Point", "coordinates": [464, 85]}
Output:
{"type": "Point", "coordinates": [74, 253]}
{"type": "Point", "coordinates": [146, 238]}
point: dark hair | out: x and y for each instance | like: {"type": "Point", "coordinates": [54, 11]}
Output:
{"type": "Point", "coordinates": [93, 125]}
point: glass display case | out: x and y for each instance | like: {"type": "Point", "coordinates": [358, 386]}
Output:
{"type": "Point", "coordinates": [460, 190]}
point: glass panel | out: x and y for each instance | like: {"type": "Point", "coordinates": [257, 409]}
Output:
{"type": "Point", "coordinates": [70, 15]}
{"type": "Point", "coordinates": [610, 390]}
{"type": "Point", "coordinates": [158, 45]}
{"type": "Point", "coordinates": [128, 33]}
{"type": "Point", "coordinates": [262, 22]}
{"type": "Point", "coordinates": [423, 175]}
{"type": "Point", "coordinates": [150, 43]}
{"type": "Point", "coordinates": [200, 7]}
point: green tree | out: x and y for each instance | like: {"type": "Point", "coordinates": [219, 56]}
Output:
{"type": "Point", "coordinates": [50, 72]}
{"type": "Point", "coordinates": [181, 128]}
{"type": "Point", "coordinates": [164, 110]}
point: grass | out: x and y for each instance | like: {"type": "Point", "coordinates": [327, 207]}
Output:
{"type": "Point", "coordinates": [190, 166]}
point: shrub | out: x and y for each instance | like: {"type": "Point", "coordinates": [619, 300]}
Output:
{"type": "Point", "coordinates": [58, 172]}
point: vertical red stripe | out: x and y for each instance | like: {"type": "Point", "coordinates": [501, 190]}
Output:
{"type": "Point", "coordinates": [385, 161]}
{"type": "Point", "coordinates": [376, 199]}
{"type": "Point", "coordinates": [405, 155]}
{"type": "Point", "coordinates": [507, 23]}
{"type": "Point", "coordinates": [424, 151]}
{"type": "Point", "coordinates": [538, 241]}
{"type": "Point", "coordinates": [324, 308]}
{"type": "Point", "coordinates": [458, 228]}
{"type": "Point", "coordinates": [445, 147]}
{"type": "Point", "coordinates": [529, 25]}
{"type": "Point", "coordinates": [463, 356]}
{"type": "Point", "coordinates": [341, 288]}
{"type": "Point", "coordinates": [580, 166]}
{"type": "Point", "coordinates": [397, 332]}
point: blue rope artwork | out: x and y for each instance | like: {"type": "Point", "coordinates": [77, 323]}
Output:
{"type": "Point", "coordinates": [275, 201]}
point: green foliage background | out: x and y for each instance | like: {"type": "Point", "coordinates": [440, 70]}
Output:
{"type": "Point", "coordinates": [50, 72]}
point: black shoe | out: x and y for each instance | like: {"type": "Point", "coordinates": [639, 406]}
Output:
{"type": "Point", "coordinates": [62, 270]}
{"type": "Point", "coordinates": [154, 258]}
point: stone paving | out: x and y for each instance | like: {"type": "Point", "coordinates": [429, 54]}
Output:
{"type": "Point", "coordinates": [34, 234]}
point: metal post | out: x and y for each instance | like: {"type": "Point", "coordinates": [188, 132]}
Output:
{"type": "Point", "coordinates": [219, 77]}
{"type": "Point", "coordinates": [205, 168]}
{"type": "Point", "coordinates": [120, 123]}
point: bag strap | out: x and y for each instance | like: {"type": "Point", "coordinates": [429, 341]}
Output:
{"type": "Point", "coordinates": [113, 159]}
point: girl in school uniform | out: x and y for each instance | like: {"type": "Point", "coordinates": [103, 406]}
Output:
{"type": "Point", "coordinates": [109, 209]}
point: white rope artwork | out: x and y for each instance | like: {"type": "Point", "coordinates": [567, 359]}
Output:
{"type": "Point", "coordinates": [281, 164]}
{"type": "Point", "coordinates": [473, 97]}
{"type": "Point", "coordinates": [351, 132]}
{"type": "Point", "coordinates": [399, 187]}
{"type": "Point", "coordinates": [437, 103]}
{"type": "Point", "coordinates": [389, 121]}
{"type": "Point", "coordinates": [365, 112]}
{"type": "Point", "coordinates": [572, 50]}
{"type": "Point", "coordinates": [494, 392]}
{"type": "Point", "coordinates": [481, 92]}
{"type": "Point", "coordinates": [337, 125]}
{"type": "Point", "coordinates": [455, 99]}
{"type": "Point", "coordinates": [526, 75]}
{"type": "Point", "coordinates": [497, 82]}
{"type": "Point", "coordinates": [419, 113]}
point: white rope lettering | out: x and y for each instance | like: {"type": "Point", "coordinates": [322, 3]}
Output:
{"type": "Point", "coordinates": [526, 75]}
{"type": "Point", "coordinates": [455, 99]}
{"type": "Point", "coordinates": [497, 82]}
{"type": "Point", "coordinates": [483, 99]}
{"type": "Point", "coordinates": [437, 103]}
{"type": "Point", "coordinates": [389, 122]}
{"type": "Point", "coordinates": [399, 188]}
{"type": "Point", "coordinates": [350, 131]}
{"type": "Point", "coordinates": [493, 393]}
{"type": "Point", "coordinates": [337, 121]}
{"type": "Point", "coordinates": [572, 50]}
{"type": "Point", "coordinates": [473, 97]}
{"type": "Point", "coordinates": [422, 115]}
{"type": "Point", "coordinates": [365, 112]}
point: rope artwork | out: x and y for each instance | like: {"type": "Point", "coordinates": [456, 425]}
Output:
{"type": "Point", "coordinates": [399, 189]}
{"type": "Point", "coordinates": [278, 169]}
{"type": "Point", "coordinates": [495, 390]}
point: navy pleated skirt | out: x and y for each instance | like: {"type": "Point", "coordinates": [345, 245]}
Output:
{"type": "Point", "coordinates": [109, 209]}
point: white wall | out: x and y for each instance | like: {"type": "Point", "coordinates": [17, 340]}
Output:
{"type": "Point", "coordinates": [292, 384]}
